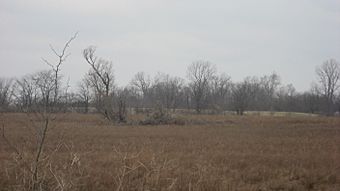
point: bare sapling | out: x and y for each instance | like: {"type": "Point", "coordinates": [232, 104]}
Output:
{"type": "Point", "coordinates": [43, 111]}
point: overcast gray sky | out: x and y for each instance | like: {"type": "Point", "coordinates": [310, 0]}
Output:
{"type": "Point", "coordinates": [242, 38]}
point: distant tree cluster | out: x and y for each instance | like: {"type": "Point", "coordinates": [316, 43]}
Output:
{"type": "Point", "coordinates": [203, 91]}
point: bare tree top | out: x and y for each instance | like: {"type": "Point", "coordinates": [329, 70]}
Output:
{"type": "Point", "coordinates": [201, 71]}
{"type": "Point", "coordinates": [329, 76]}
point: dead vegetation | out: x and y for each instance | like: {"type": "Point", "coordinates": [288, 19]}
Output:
{"type": "Point", "coordinates": [161, 116]}
{"type": "Point", "coordinates": [209, 152]}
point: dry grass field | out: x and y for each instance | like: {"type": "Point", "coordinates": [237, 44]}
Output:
{"type": "Point", "coordinates": [209, 152]}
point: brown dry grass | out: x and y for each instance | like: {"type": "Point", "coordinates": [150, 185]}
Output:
{"type": "Point", "coordinates": [210, 152]}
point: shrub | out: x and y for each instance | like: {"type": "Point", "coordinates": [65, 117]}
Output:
{"type": "Point", "coordinates": [161, 116]}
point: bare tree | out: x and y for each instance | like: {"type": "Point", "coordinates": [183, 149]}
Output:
{"type": "Point", "coordinates": [48, 82]}
{"type": "Point", "coordinates": [6, 88]}
{"type": "Point", "coordinates": [220, 92]}
{"type": "Point", "coordinates": [45, 85]}
{"type": "Point", "coordinates": [269, 85]}
{"type": "Point", "coordinates": [101, 78]}
{"type": "Point", "coordinates": [45, 82]}
{"type": "Point", "coordinates": [167, 90]}
{"type": "Point", "coordinates": [246, 95]}
{"type": "Point", "coordinates": [312, 99]}
{"type": "Point", "coordinates": [142, 83]}
{"type": "Point", "coordinates": [200, 73]}
{"type": "Point", "coordinates": [187, 97]}
{"type": "Point", "coordinates": [121, 102]}
{"type": "Point", "coordinates": [26, 93]}
{"type": "Point", "coordinates": [329, 75]}
{"type": "Point", "coordinates": [240, 97]}
{"type": "Point", "coordinates": [286, 98]}
{"type": "Point", "coordinates": [84, 93]}
{"type": "Point", "coordinates": [257, 94]}
{"type": "Point", "coordinates": [62, 56]}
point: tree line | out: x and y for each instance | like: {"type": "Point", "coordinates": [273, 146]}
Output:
{"type": "Point", "coordinates": [204, 90]}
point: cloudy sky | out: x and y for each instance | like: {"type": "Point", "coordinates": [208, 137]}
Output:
{"type": "Point", "coordinates": [242, 38]}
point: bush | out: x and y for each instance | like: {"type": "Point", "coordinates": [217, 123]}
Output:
{"type": "Point", "coordinates": [160, 116]}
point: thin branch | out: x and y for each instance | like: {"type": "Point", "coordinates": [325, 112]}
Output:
{"type": "Point", "coordinates": [54, 51]}
{"type": "Point", "coordinates": [47, 62]}
{"type": "Point", "coordinates": [68, 43]}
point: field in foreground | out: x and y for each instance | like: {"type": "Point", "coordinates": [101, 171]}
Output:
{"type": "Point", "coordinates": [83, 152]}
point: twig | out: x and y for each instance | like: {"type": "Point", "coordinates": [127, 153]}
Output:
{"type": "Point", "coordinates": [56, 178]}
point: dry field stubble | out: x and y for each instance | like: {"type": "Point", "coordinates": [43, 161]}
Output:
{"type": "Point", "coordinates": [210, 152]}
